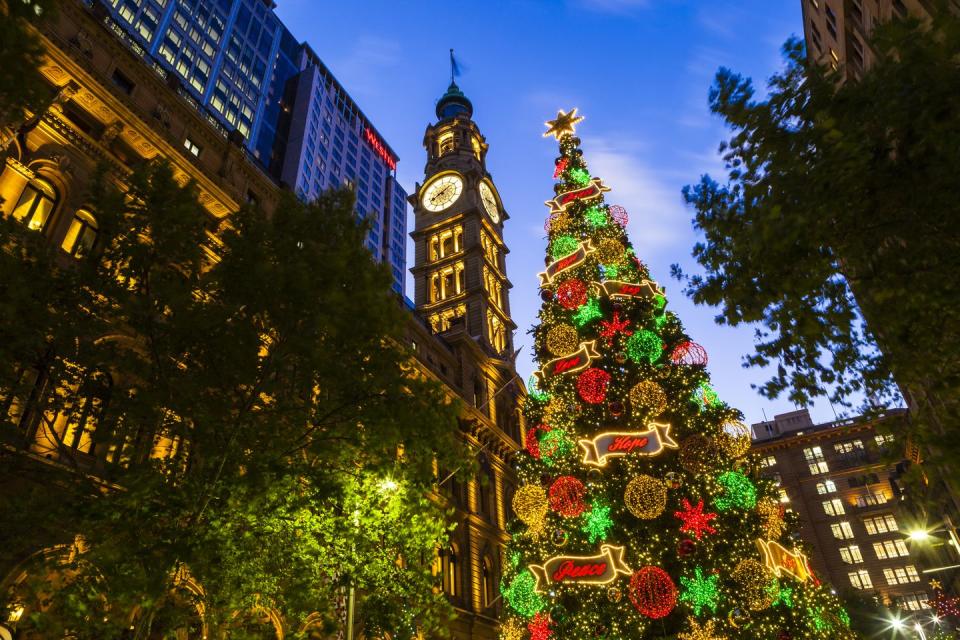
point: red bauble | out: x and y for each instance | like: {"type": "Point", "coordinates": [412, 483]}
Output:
{"type": "Point", "coordinates": [533, 444]}
{"type": "Point", "coordinates": [592, 385]}
{"type": "Point", "coordinates": [571, 294]}
{"type": "Point", "coordinates": [566, 496]}
{"type": "Point", "coordinates": [618, 214]}
{"type": "Point", "coordinates": [690, 353]}
{"type": "Point", "coordinates": [652, 592]}
{"type": "Point", "coordinates": [560, 166]}
{"type": "Point", "coordinates": [685, 547]}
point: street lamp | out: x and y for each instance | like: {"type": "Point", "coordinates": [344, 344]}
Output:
{"type": "Point", "coordinates": [919, 535]}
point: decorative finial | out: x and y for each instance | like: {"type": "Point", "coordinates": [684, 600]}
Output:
{"type": "Point", "coordinates": [563, 125]}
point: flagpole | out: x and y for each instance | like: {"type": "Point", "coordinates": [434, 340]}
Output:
{"type": "Point", "coordinates": [452, 67]}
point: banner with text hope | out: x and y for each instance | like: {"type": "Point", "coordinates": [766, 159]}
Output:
{"type": "Point", "coordinates": [612, 444]}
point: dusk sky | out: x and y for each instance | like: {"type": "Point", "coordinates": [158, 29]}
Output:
{"type": "Point", "coordinates": [639, 70]}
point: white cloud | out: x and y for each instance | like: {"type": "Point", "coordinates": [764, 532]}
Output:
{"type": "Point", "coordinates": [658, 218]}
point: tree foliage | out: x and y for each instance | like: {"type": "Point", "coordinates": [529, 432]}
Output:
{"type": "Point", "coordinates": [259, 427]}
{"type": "Point", "coordinates": [839, 201]}
{"type": "Point", "coordinates": [20, 49]}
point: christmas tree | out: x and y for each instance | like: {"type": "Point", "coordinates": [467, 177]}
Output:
{"type": "Point", "coordinates": [639, 513]}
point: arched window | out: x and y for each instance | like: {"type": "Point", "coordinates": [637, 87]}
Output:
{"type": "Point", "coordinates": [451, 574]}
{"type": "Point", "coordinates": [36, 204]}
{"type": "Point", "coordinates": [487, 582]}
{"type": "Point", "coordinates": [82, 234]}
{"type": "Point", "coordinates": [94, 397]}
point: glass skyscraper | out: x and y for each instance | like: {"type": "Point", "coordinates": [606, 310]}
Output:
{"type": "Point", "coordinates": [240, 66]}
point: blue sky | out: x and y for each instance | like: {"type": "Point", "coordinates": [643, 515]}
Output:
{"type": "Point", "coordinates": [639, 70]}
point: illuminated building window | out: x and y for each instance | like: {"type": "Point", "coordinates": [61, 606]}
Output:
{"type": "Point", "coordinates": [192, 147]}
{"type": "Point", "coordinates": [842, 531]}
{"type": "Point", "coordinates": [451, 571]}
{"type": "Point", "coordinates": [833, 507]}
{"type": "Point", "coordinates": [768, 461]}
{"type": "Point", "coordinates": [446, 143]}
{"type": "Point", "coordinates": [901, 575]}
{"type": "Point", "coordinates": [896, 548]}
{"type": "Point", "coordinates": [872, 499]}
{"type": "Point", "coordinates": [443, 320]}
{"type": "Point", "coordinates": [827, 486]}
{"type": "Point", "coordinates": [851, 554]}
{"type": "Point", "coordinates": [477, 147]}
{"type": "Point", "coordinates": [880, 524]}
{"type": "Point", "coordinates": [883, 440]}
{"type": "Point", "coordinates": [850, 447]}
{"type": "Point", "coordinates": [490, 250]}
{"type": "Point", "coordinates": [82, 234]}
{"type": "Point", "coordinates": [784, 497]}
{"type": "Point", "coordinates": [446, 243]}
{"type": "Point", "coordinates": [815, 460]}
{"type": "Point", "coordinates": [487, 582]}
{"type": "Point", "coordinates": [493, 287]}
{"type": "Point", "coordinates": [860, 579]}
{"type": "Point", "coordinates": [447, 282]}
{"type": "Point", "coordinates": [36, 204]}
{"type": "Point", "coordinates": [496, 331]}
{"type": "Point", "coordinates": [913, 601]}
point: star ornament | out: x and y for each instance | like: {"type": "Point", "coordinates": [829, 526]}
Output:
{"type": "Point", "coordinates": [695, 521]}
{"type": "Point", "coordinates": [563, 125]}
{"type": "Point", "coordinates": [609, 329]}
{"type": "Point", "coordinates": [700, 591]}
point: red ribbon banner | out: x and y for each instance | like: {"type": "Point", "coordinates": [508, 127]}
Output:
{"type": "Point", "coordinates": [782, 561]}
{"type": "Point", "coordinates": [618, 289]}
{"type": "Point", "coordinates": [566, 262]}
{"type": "Point", "coordinates": [593, 190]}
{"type": "Point", "coordinates": [598, 569]}
{"type": "Point", "coordinates": [579, 359]}
{"type": "Point", "coordinates": [615, 444]}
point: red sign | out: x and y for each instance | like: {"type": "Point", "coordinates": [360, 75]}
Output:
{"type": "Point", "coordinates": [380, 148]}
{"type": "Point", "coordinates": [576, 361]}
{"type": "Point", "coordinates": [576, 569]}
{"type": "Point", "coordinates": [566, 262]}
{"type": "Point", "coordinates": [593, 190]}
{"type": "Point", "coordinates": [617, 289]}
{"type": "Point", "coordinates": [602, 568]}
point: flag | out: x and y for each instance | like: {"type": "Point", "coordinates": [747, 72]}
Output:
{"type": "Point", "coordinates": [455, 69]}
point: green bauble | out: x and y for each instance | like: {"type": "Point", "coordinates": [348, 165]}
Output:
{"type": "Point", "coordinates": [644, 346]}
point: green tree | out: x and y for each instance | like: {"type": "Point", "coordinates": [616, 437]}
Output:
{"type": "Point", "coordinates": [20, 49]}
{"type": "Point", "coordinates": [640, 514]}
{"type": "Point", "coordinates": [260, 429]}
{"type": "Point", "coordinates": [839, 202]}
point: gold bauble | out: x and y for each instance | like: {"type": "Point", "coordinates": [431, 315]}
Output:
{"type": "Point", "coordinates": [645, 497]}
{"type": "Point", "coordinates": [530, 504]}
{"type": "Point", "coordinates": [757, 585]}
{"type": "Point", "coordinates": [512, 629]}
{"type": "Point", "coordinates": [556, 413]}
{"type": "Point", "coordinates": [648, 397]}
{"type": "Point", "coordinates": [735, 439]}
{"type": "Point", "coordinates": [562, 339]}
{"type": "Point", "coordinates": [698, 453]}
{"type": "Point", "coordinates": [560, 222]}
{"type": "Point", "coordinates": [771, 518]}
{"type": "Point", "coordinates": [610, 251]}
{"type": "Point", "coordinates": [698, 632]}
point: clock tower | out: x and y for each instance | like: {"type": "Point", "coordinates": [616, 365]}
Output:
{"type": "Point", "coordinates": [460, 279]}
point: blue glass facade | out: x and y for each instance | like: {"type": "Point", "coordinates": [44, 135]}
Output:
{"type": "Point", "coordinates": [244, 69]}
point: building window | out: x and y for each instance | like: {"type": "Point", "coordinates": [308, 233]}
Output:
{"type": "Point", "coordinates": [93, 398]}
{"type": "Point", "coordinates": [815, 460]}
{"type": "Point", "coordinates": [827, 486]}
{"type": "Point", "coordinates": [784, 498]}
{"type": "Point", "coordinates": [851, 554]}
{"type": "Point", "coordinates": [443, 320]}
{"type": "Point", "coordinates": [446, 243]}
{"type": "Point", "coordinates": [913, 601]}
{"type": "Point", "coordinates": [768, 461]}
{"type": "Point", "coordinates": [880, 524]}
{"type": "Point", "coordinates": [451, 573]}
{"type": "Point", "coordinates": [833, 507]}
{"type": "Point", "coordinates": [871, 499]}
{"type": "Point", "coordinates": [860, 579]}
{"type": "Point", "coordinates": [36, 204]}
{"type": "Point", "coordinates": [901, 575]}
{"type": "Point", "coordinates": [890, 549]}
{"type": "Point", "coordinates": [446, 143]}
{"type": "Point", "coordinates": [192, 147]}
{"type": "Point", "coordinates": [487, 582]}
{"type": "Point", "coordinates": [842, 530]}
{"type": "Point", "coordinates": [82, 234]}
{"type": "Point", "coordinates": [496, 331]}
{"type": "Point", "coordinates": [883, 440]}
{"type": "Point", "coordinates": [850, 447]}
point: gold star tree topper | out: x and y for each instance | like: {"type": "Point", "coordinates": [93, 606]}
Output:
{"type": "Point", "coordinates": [563, 125]}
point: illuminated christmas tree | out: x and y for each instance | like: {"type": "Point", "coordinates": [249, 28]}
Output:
{"type": "Point", "coordinates": [639, 513]}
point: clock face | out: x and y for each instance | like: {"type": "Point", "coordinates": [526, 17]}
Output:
{"type": "Point", "coordinates": [490, 202]}
{"type": "Point", "coordinates": [442, 192]}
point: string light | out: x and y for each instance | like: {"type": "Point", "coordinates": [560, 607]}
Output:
{"type": "Point", "coordinates": [562, 339]}
{"type": "Point", "coordinates": [653, 592]}
{"type": "Point", "coordinates": [695, 520]}
{"type": "Point", "coordinates": [705, 632]}
{"type": "Point", "coordinates": [587, 313]}
{"type": "Point", "coordinates": [645, 497]}
{"type": "Point", "coordinates": [521, 595]}
{"type": "Point", "coordinates": [571, 294]}
{"type": "Point", "coordinates": [735, 438]}
{"type": "Point", "coordinates": [530, 504]}
{"type": "Point", "coordinates": [648, 397]}
{"type": "Point", "coordinates": [700, 592]}
{"type": "Point", "coordinates": [689, 353]}
{"type": "Point", "coordinates": [757, 586]}
{"type": "Point", "coordinates": [597, 522]}
{"type": "Point", "coordinates": [592, 385]}
{"type": "Point", "coordinates": [566, 496]}
{"type": "Point", "coordinates": [554, 444]}
{"type": "Point", "coordinates": [596, 217]}
{"type": "Point", "coordinates": [619, 215]}
{"type": "Point", "coordinates": [738, 491]}
{"type": "Point", "coordinates": [610, 251]}
{"type": "Point", "coordinates": [563, 246]}
{"type": "Point", "coordinates": [644, 346]}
